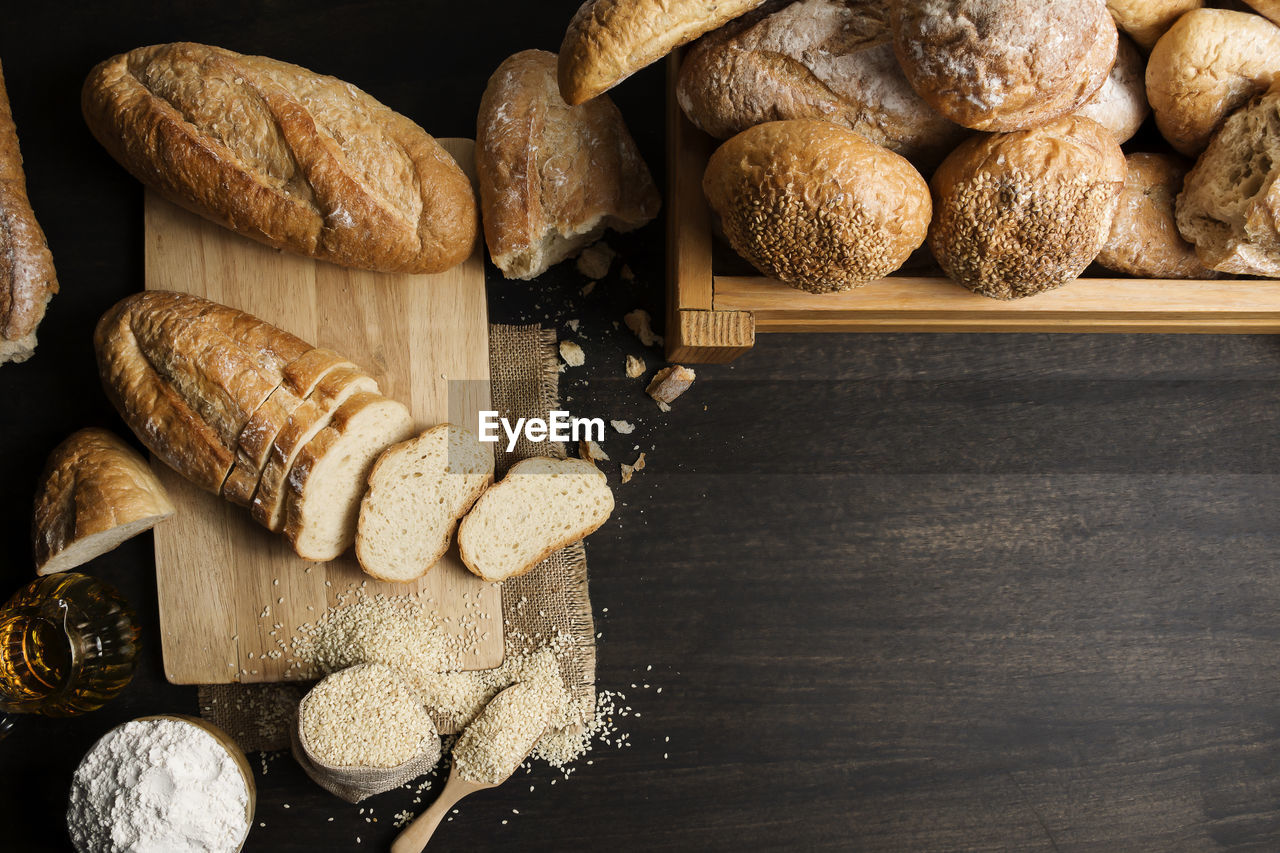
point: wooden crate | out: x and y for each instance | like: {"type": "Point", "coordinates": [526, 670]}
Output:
{"type": "Point", "coordinates": [714, 318]}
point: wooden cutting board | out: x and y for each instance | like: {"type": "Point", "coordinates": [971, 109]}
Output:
{"type": "Point", "coordinates": [224, 582]}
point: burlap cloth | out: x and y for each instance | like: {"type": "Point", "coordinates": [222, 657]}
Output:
{"type": "Point", "coordinates": [525, 382]}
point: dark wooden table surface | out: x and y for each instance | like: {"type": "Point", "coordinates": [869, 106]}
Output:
{"type": "Point", "coordinates": [901, 592]}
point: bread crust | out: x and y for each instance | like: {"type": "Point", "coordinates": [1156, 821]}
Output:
{"type": "Point", "coordinates": [1144, 239]}
{"type": "Point", "coordinates": [1209, 63]}
{"type": "Point", "coordinates": [1001, 65]}
{"type": "Point", "coordinates": [92, 483]}
{"type": "Point", "coordinates": [818, 59]}
{"type": "Point", "coordinates": [816, 205]}
{"type": "Point", "coordinates": [1023, 212]}
{"type": "Point", "coordinates": [1146, 20]}
{"type": "Point", "coordinates": [289, 158]}
{"type": "Point", "coordinates": [27, 277]}
{"type": "Point", "coordinates": [553, 177]}
{"type": "Point", "coordinates": [1121, 104]}
{"type": "Point", "coordinates": [609, 40]}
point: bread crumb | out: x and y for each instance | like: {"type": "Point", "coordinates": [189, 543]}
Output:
{"type": "Point", "coordinates": [623, 427]}
{"type": "Point", "coordinates": [591, 451]}
{"type": "Point", "coordinates": [595, 260]}
{"type": "Point", "coordinates": [628, 471]}
{"type": "Point", "coordinates": [663, 407]}
{"type": "Point", "coordinates": [590, 286]}
{"type": "Point", "coordinates": [626, 273]}
{"type": "Point", "coordinates": [639, 322]}
{"type": "Point", "coordinates": [573, 325]}
{"type": "Point", "coordinates": [669, 383]}
{"type": "Point", "coordinates": [572, 354]}
{"type": "Point", "coordinates": [635, 367]}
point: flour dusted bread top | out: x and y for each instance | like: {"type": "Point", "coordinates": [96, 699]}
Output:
{"type": "Point", "coordinates": [541, 505]}
{"type": "Point", "coordinates": [819, 59]}
{"type": "Point", "coordinates": [1004, 64]}
{"type": "Point", "coordinates": [553, 177]}
{"type": "Point", "coordinates": [96, 492]}
{"type": "Point", "coordinates": [283, 155]}
{"type": "Point", "coordinates": [609, 40]}
{"type": "Point", "coordinates": [1121, 104]}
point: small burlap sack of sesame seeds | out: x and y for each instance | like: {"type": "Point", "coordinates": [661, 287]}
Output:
{"type": "Point", "coordinates": [551, 600]}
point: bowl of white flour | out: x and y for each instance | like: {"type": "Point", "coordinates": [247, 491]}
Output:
{"type": "Point", "coordinates": [168, 784]}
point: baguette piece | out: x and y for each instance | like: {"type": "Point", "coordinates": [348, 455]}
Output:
{"type": "Point", "coordinates": [609, 40]}
{"type": "Point", "coordinates": [27, 278]}
{"type": "Point", "coordinates": [553, 177]}
{"type": "Point", "coordinates": [328, 478]}
{"type": "Point", "coordinates": [542, 505]}
{"type": "Point", "coordinates": [284, 156]}
{"type": "Point", "coordinates": [418, 491]}
{"type": "Point", "coordinates": [96, 492]}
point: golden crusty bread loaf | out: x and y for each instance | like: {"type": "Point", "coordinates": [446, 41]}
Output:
{"type": "Point", "coordinates": [1146, 20]}
{"type": "Point", "coordinates": [1230, 202]}
{"type": "Point", "coordinates": [609, 40]}
{"type": "Point", "coordinates": [1018, 213]}
{"type": "Point", "coordinates": [1004, 64]}
{"type": "Point", "coordinates": [1121, 104]}
{"type": "Point", "coordinates": [27, 277]}
{"type": "Point", "coordinates": [820, 59]}
{"type": "Point", "coordinates": [1144, 239]}
{"type": "Point", "coordinates": [553, 177]}
{"type": "Point", "coordinates": [816, 205]}
{"type": "Point", "coordinates": [284, 156]}
{"type": "Point", "coordinates": [1207, 65]}
{"type": "Point", "coordinates": [96, 492]}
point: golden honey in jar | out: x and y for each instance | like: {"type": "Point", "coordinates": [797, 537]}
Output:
{"type": "Point", "coordinates": [68, 644]}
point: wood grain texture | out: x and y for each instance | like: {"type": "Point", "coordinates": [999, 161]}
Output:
{"type": "Point", "coordinates": [230, 591]}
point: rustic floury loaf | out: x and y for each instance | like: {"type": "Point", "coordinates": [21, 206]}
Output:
{"type": "Point", "coordinates": [1019, 213]}
{"type": "Point", "coordinates": [542, 505]}
{"type": "Point", "coordinates": [1121, 104]}
{"type": "Point", "coordinates": [1210, 63]}
{"type": "Point", "coordinates": [1000, 65]}
{"type": "Point", "coordinates": [1230, 201]}
{"type": "Point", "coordinates": [1144, 239]}
{"type": "Point", "coordinates": [553, 177]}
{"type": "Point", "coordinates": [282, 155]}
{"type": "Point", "coordinates": [418, 492]}
{"type": "Point", "coordinates": [96, 492]}
{"type": "Point", "coordinates": [27, 277]}
{"type": "Point", "coordinates": [609, 40]}
{"type": "Point", "coordinates": [816, 205]}
{"type": "Point", "coordinates": [1146, 20]}
{"type": "Point", "coordinates": [821, 59]}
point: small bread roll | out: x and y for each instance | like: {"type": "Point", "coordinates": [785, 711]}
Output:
{"type": "Point", "coordinates": [1023, 212]}
{"type": "Point", "coordinates": [1146, 20]}
{"type": "Point", "coordinates": [1144, 239]}
{"type": "Point", "coordinates": [1121, 104]}
{"type": "Point", "coordinates": [1230, 200]}
{"type": "Point", "coordinates": [1206, 66]}
{"type": "Point", "coordinates": [816, 205]}
{"type": "Point", "coordinates": [1004, 64]}
{"type": "Point", "coordinates": [1270, 8]}
{"type": "Point", "coordinates": [609, 40]}
{"type": "Point", "coordinates": [824, 59]}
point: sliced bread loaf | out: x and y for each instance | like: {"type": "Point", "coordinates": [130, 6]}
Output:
{"type": "Point", "coordinates": [327, 480]}
{"type": "Point", "coordinates": [418, 490]}
{"type": "Point", "coordinates": [541, 505]}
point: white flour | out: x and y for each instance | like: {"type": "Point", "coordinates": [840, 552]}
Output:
{"type": "Point", "coordinates": [159, 786]}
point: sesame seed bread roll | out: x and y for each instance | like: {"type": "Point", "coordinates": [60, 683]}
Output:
{"type": "Point", "coordinates": [609, 40]}
{"type": "Point", "coordinates": [1144, 239]}
{"type": "Point", "coordinates": [1121, 104]}
{"type": "Point", "coordinates": [1019, 213]}
{"type": "Point", "coordinates": [1001, 65]}
{"type": "Point", "coordinates": [1146, 20]}
{"type": "Point", "coordinates": [1210, 63]}
{"type": "Point", "coordinates": [816, 205]}
{"type": "Point", "coordinates": [821, 59]}
{"type": "Point", "coordinates": [1231, 199]}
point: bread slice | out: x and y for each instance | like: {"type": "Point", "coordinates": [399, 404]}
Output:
{"type": "Point", "coordinates": [304, 424]}
{"type": "Point", "coordinates": [418, 490]}
{"type": "Point", "coordinates": [327, 480]}
{"type": "Point", "coordinates": [541, 505]}
{"type": "Point", "coordinates": [96, 492]}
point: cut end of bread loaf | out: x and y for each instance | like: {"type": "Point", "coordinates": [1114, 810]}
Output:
{"type": "Point", "coordinates": [542, 505]}
{"type": "Point", "coordinates": [95, 545]}
{"type": "Point", "coordinates": [418, 490]}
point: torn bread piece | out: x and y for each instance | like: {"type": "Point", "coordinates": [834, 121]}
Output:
{"type": "Point", "coordinates": [639, 322]}
{"type": "Point", "coordinates": [635, 367]}
{"type": "Point", "coordinates": [591, 451]}
{"type": "Point", "coordinates": [669, 383]}
{"type": "Point", "coordinates": [572, 354]}
{"type": "Point", "coordinates": [628, 471]}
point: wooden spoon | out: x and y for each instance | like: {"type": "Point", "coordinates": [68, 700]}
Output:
{"type": "Point", "coordinates": [414, 837]}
